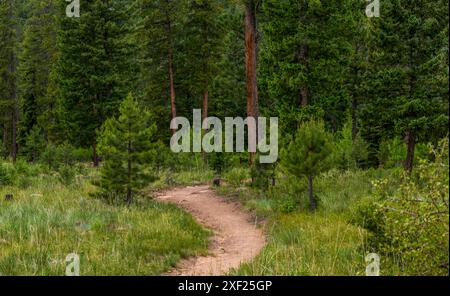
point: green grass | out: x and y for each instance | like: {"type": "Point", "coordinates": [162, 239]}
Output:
{"type": "Point", "coordinates": [308, 244]}
{"type": "Point", "coordinates": [47, 220]}
{"type": "Point", "coordinates": [305, 243]}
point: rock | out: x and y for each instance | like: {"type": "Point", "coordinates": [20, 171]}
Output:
{"type": "Point", "coordinates": [9, 197]}
{"type": "Point", "coordinates": [216, 181]}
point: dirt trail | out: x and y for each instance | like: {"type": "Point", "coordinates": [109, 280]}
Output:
{"type": "Point", "coordinates": [236, 239]}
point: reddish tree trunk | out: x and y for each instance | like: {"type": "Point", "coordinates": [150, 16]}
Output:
{"type": "Point", "coordinates": [170, 70]}
{"type": "Point", "coordinates": [250, 63]}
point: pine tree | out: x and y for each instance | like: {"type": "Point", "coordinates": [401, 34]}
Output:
{"type": "Point", "coordinates": [92, 69]}
{"type": "Point", "coordinates": [159, 36]}
{"type": "Point", "coordinates": [408, 98]}
{"type": "Point", "coordinates": [127, 149]}
{"type": "Point", "coordinates": [306, 53]}
{"type": "Point", "coordinates": [9, 106]}
{"type": "Point", "coordinates": [308, 154]}
{"type": "Point", "coordinates": [36, 63]}
{"type": "Point", "coordinates": [203, 45]}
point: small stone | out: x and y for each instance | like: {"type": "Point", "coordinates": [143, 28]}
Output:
{"type": "Point", "coordinates": [9, 197]}
{"type": "Point", "coordinates": [216, 181]}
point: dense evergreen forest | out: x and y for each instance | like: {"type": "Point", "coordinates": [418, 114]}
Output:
{"type": "Point", "coordinates": [86, 104]}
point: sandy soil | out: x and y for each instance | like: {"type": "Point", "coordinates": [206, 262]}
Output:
{"type": "Point", "coordinates": [236, 238]}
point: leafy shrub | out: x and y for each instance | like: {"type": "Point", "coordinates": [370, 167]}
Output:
{"type": "Point", "coordinates": [236, 176]}
{"type": "Point", "coordinates": [57, 155]}
{"type": "Point", "coordinates": [262, 175]}
{"type": "Point", "coordinates": [67, 174]}
{"type": "Point", "coordinates": [411, 225]}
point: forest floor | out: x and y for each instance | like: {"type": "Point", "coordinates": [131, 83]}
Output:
{"type": "Point", "coordinates": [235, 240]}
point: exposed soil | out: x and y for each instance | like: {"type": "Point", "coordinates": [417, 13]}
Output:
{"type": "Point", "coordinates": [236, 238]}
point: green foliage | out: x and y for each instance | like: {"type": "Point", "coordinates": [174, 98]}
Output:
{"type": "Point", "coordinates": [55, 156]}
{"type": "Point", "coordinates": [406, 94]}
{"type": "Point", "coordinates": [304, 244]}
{"type": "Point", "coordinates": [410, 225]}
{"type": "Point", "coordinates": [7, 174]}
{"type": "Point", "coordinates": [146, 238]}
{"type": "Point", "coordinates": [308, 154]}
{"type": "Point", "coordinates": [392, 153]}
{"type": "Point", "coordinates": [349, 153]}
{"type": "Point", "coordinates": [127, 148]}
{"type": "Point", "coordinates": [34, 144]}
{"type": "Point", "coordinates": [237, 176]}
{"type": "Point", "coordinates": [92, 68]}
{"type": "Point", "coordinates": [36, 62]}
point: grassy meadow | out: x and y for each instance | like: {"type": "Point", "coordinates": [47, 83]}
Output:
{"type": "Point", "coordinates": [47, 220]}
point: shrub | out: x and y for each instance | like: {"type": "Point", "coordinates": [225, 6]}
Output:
{"type": "Point", "coordinates": [411, 225]}
{"type": "Point", "coordinates": [350, 153]}
{"type": "Point", "coordinates": [7, 174]}
{"type": "Point", "coordinates": [236, 176]}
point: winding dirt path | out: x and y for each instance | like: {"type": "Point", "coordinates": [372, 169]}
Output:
{"type": "Point", "coordinates": [236, 238]}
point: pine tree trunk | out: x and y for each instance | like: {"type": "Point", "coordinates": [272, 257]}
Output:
{"type": "Point", "coordinates": [171, 71]}
{"type": "Point", "coordinates": [301, 56]}
{"type": "Point", "coordinates": [410, 140]}
{"type": "Point", "coordinates": [204, 116]}
{"type": "Point", "coordinates": [250, 63]}
{"type": "Point", "coordinates": [172, 86]}
{"type": "Point", "coordinates": [312, 201]}
{"type": "Point", "coordinates": [94, 154]}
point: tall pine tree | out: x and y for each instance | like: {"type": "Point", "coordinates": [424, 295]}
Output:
{"type": "Point", "coordinates": [92, 68]}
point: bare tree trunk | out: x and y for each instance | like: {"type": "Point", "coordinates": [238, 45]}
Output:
{"type": "Point", "coordinates": [312, 201]}
{"type": "Point", "coordinates": [410, 141]}
{"type": "Point", "coordinates": [250, 63]}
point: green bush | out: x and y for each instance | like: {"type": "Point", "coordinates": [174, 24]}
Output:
{"type": "Point", "coordinates": [7, 174]}
{"type": "Point", "coordinates": [410, 226]}
{"type": "Point", "coordinates": [349, 153]}
{"type": "Point", "coordinates": [67, 174]}
{"type": "Point", "coordinates": [393, 153]}
{"type": "Point", "coordinates": [236, 176]}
